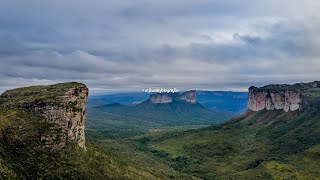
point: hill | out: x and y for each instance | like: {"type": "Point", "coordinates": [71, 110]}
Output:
{"type": "Point", "coordinates": [159, 111]}
{"type": "Point", "coordinates": [235, 102]}
{"type": "Point", "coordinates": [42, 137]}
{"type": "Point", "coordinates": [264, 144]}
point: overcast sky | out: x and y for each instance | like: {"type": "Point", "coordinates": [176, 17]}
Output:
{"type": "Point", "coordinates": [127, 45]}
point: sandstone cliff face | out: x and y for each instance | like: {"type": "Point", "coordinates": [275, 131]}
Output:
{"type": "Point", "coordinates": [285, 97]}
{"type": "Point", "coordinates": [288, 100]}
{"type": "Point", "coordinates": [62, 105]}
{"type": "Point", "coordinates": [189, 96]}
{"type": "Point", "coordinates": [161, 98]}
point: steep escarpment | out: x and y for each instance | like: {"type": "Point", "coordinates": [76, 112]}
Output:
{"type": "Point", "coordinates": [42, 132]}
{"type": "Point", "coordinates": [61, 106]}
{"type": "Point", "coordinates": [300, 96]}
{"type": "Point", "coordinates": [189, 96]}
{"type": "Point", "coordinates": [163, 98]}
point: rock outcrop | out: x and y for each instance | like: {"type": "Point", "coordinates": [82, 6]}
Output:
{"type": "Point", "coordinates": [62, 105]}
{"type": "Point", "coordinates": [189, 96]}
{"type": "Point", "coordinates": [284, 97]}
{"type": "Point", "coordinates": [163, 98]}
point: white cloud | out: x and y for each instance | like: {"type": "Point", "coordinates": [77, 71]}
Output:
{"type": "Point", "coordinates": [128, 45]}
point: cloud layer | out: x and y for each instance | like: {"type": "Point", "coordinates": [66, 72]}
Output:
{"type": "Point", "coordinates": [130, 45]}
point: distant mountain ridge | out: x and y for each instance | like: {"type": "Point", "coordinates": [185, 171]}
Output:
{"type": "Point", "coordinates": [162, 98]}
{"type": "Point", "coordinates": [235, 102]}
{"type": "Point", "coordinates": [160, 110]}
{"type": "Point", "coordinates": [224, 100]}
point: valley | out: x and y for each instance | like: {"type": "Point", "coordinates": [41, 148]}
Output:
{"type": "Point", "coordinates": [266, 144]}
{"type": "Point", "coordinates": [163, 138]}
{"type": "Point", "coordinates": [159, 90]}
{"type": "Point", "coordinates": [116, 115]}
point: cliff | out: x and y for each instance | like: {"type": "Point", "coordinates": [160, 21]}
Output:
{"type": "Point", "coordinates": [189, 96]}
{"type": "Point", "coordinates": [60, 106]}
{"type": "Point", "coordinates": [163, 98]}
{"type": "Point", "coordinates": [300, 96]}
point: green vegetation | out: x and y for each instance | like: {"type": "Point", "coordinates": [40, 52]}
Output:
{"type": "Point", "coordinates": [255, 145]}
{"type": "Point", "coordinates": [266, 144]}
{"type": "Point", "coordinates": [23, 155]}
{"type": "Point", "coordinates": [164, 142]}
{"type": "Point", "coordinates": [36, 94]}
{"type": "Point", "coordinates": [297, 86]}
{"type": "Point", "coordinates": [116, 120]}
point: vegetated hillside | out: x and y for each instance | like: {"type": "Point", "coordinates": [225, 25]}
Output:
{"type": "Point", "coordinates": [256, 145]}
{"type": "Point", "coordinates": [263, 144]}
{"type": "Point", "coordinates": [117, 119]}
{"type": "Point", "coordinates": [24, 156]}
{"type": "Point", "coordinates": [28, 158]}
{"type": "Point", "coordinates": [121, 116]}
{"type": "Point", "coordinates": [37, 141]}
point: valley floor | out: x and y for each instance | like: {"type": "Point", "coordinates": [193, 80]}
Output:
{"type": "Point", "coordinates": [255, 145]}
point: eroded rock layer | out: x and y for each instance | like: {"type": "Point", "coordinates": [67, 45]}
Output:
{"type": "Point", "coordinates": [189, 96]}
{"type": "Point", "coordinates": [286, 97]}
{"type": "Point", "coordinates": [62, 105]}
{"type": "Point", "coordinates": [161, 98]}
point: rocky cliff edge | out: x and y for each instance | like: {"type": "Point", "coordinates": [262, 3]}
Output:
{"type": "Point", "coordinates": [62, 105]}
{"type": "Point", "coordinates": [300, 96]}
{"type": "Point", "coordinates": [162, 98]}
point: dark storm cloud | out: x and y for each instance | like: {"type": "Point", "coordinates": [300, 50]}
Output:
{"type": "Point", "coordinates": [129, 45]}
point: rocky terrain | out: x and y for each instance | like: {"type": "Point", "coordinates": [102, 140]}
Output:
{"type": "Point", "coordinates": [42, 137]}
{"type": "Point", "coordinates": [60, 105]}
{"type": "Point", "coordinates": [299, 96]}
{"type": "Point", "coordinates": [189, 96]}
{"type": "Point", "coordinates": [277, 138]}
{"type": "Point", "coordinates": [162, 98]}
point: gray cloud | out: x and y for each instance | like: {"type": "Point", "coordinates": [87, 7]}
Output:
{"type": "Point", "coordinates": [129, 45]}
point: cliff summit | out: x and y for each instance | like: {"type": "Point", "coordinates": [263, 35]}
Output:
{"type": "Point", "coordinates": [61, 105]}
{"type": "Point", "coordinates": [300, 96]}
{"type": "Point", "coordinates": [163, 98]}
